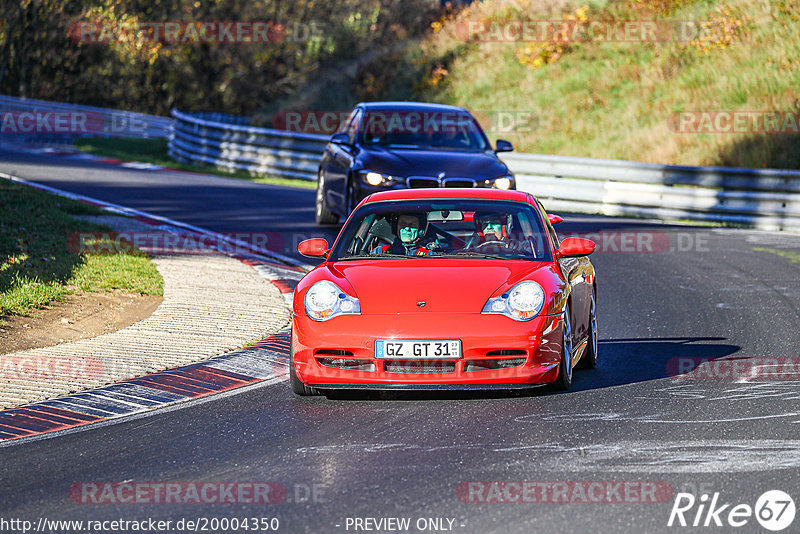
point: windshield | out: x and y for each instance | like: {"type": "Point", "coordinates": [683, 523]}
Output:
{"type": "Point", "coordinates": [440, 130]}
{"type": "Point", "coordinates": [443, 228]}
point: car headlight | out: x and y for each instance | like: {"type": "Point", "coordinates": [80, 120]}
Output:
{"type": "Point", "coordinates": [377, 179]}
{"type": "Point", "coordinates": [325, 300]}
{"type": "Point", "coordinates": [522, 302]}
{"type": "Point", "coordinates": [504, 182]}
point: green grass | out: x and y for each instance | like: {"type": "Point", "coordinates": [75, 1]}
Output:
{"type": "Point", "coordinates": [614, 100]}
{"type": "Point", "coordinates": [155, 151]}
{"type": "Point", "coordinates": [37, 265]}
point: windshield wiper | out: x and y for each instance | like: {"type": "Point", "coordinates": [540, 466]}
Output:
{"type": "Point", "coordinates": [479, 255]}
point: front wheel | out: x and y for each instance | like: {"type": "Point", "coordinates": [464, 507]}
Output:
{"type": "Point", "coordinates": [589, 359]}
{"type": "Point", "coordinates": [564, 379]}
{"type": "Point", "coordinates": [321, 212]}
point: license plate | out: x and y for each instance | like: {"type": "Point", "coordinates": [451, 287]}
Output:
{"type": "Point", "coordinates": [418, 348]}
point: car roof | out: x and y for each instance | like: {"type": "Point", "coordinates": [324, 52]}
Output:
{"type": "Point", "coordinates": [409, 106]}
{"type": "Point", "coordinates": [448, 192]}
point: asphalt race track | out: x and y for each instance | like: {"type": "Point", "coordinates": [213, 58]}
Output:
{"type": "Point", "coordinates": [697, 292]}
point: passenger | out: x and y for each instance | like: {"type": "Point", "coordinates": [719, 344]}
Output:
{"type": "Point", "coordinates": [409, 229]}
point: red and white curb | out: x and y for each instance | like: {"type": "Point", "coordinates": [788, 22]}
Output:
{"type": "Point", "coordinates": [264, 362]}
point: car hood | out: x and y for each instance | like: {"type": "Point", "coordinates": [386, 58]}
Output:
{"type": "Point", "coordinates": [430, 163]}
{"type": "Point", "coordinates": [444, 285]}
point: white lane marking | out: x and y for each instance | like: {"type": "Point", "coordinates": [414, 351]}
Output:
{"type": "Point", "coordinates": [141, 166]}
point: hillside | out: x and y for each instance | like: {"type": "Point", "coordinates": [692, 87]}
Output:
{"type": "Point", "coordinates": [730, 96]}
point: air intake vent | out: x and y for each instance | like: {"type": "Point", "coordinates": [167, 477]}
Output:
{"type": "Point", "coordinates": [334, 352]}
{"type": "Point", "coordinates": [418, 183]}
{"type": "Point", "coordinates": [344, 363]}
{"type": "Point", "coordinates": [506, 353]}
{"type": "Point", "coordinates": [419, 366]}
{"type": "Point", "coordinates": [459, 183]}
{"type": "Point", "coordinates": [491, 365]}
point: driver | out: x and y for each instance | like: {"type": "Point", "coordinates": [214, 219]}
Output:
{"type": "Point", "coordinates": [492, 227]}
{"type": "Point", "coordinates": [409, 229]}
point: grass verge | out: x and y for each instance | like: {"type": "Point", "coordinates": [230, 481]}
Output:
{"type": "Point", "coordinates": [37, 266]}
{"type": "Point", "coordinates": [155, 151]}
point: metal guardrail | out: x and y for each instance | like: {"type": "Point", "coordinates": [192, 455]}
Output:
{"type": "Point", "coordinates": [98, 121]}
{"type": "Point", "coordinates": [767, 199]}
{"type": "Point", "coordinates": [247, 148]}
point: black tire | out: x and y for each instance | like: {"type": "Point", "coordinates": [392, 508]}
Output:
{"type": "Point", "coordinates": [564, 379]}
{"type": "Point", "coordinates": [297, 386]}
{"type": "Point", "coordinates": [589, 358]}
{"type": "Point", "coordinates": [321, 212]}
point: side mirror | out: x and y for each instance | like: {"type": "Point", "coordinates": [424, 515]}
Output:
{"type": "Point", "coordinates": [340, 139]}
{"type": "Point", "coordinates": [314, 248]}
{"type": "Point", "coordinates": [504, 146]}
{"type": "Point", "coordinates": [554, 219]}
{"type": "Point", "coordinates": [574, 247]}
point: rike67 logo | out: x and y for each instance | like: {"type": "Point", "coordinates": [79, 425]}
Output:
{"type": "Point", "coordinates": [774, 510]}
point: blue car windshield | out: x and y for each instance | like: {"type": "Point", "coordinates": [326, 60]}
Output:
{"type": "Point", "coordinates": [440, 130]}
{"type": "Point", "coordinates": [444, 228]}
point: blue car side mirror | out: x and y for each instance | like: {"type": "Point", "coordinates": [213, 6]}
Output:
{"type": "Point", "coordinates": [504, 146]}
{"type": "Point", "coordinates": [340, 139]}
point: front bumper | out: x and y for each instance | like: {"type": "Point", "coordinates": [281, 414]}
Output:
{"type": "Point", "coordinates": [536, 342]}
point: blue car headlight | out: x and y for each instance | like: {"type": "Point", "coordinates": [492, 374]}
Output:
{"type": "Point", "coordinates": [503, 182]}
{"type": "Point", "coordinates": [376, 179]}
{"type": "Point", "coordinates": [325, 300]}
{"type": "Point", "coordinates": [522, 302]}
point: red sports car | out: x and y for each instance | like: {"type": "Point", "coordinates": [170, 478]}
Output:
{"type": "Point", "coordinates": [444, 288]}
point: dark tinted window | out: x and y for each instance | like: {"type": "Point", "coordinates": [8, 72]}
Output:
{"type": "Point", "coordinates": [446, 228]}
{"type": "Point", "coordinates": [441, 130]}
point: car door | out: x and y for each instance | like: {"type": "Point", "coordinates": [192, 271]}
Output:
{"type": "Point", "coordinates": [339, 164]}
